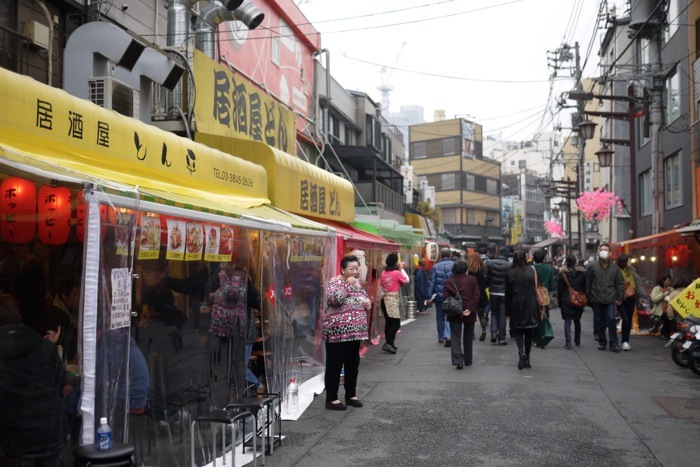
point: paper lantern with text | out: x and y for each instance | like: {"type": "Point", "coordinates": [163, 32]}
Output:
{"type": "Point", "coordinates": [432, 252]}
{"type": "Point", "coordinates": [53, 215]}
{"type": "Point", "coordinates": [17, 210]}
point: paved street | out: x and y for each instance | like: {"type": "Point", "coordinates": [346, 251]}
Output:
{"type": "Point", "coordinates": [580, 407]}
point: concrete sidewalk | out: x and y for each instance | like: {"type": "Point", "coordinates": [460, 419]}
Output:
{"type": "Point", "coordinates": [577, 407]}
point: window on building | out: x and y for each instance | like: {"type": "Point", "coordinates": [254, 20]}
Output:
{"type": "Point", "coordinates": [377, 134]}
{"type": "Point", "coordinates": [448, 182]}
{"type": "Point", "coordinates": [335, 129]}
{"type": "Point", "coordinates": [471, 216]}
{"type": "Point", "coordinates": [673, 18]}
{"type": "Point", "coordinates": [672, 98]}
{"type": "Point", "coordinates": [645, 193]}
{"type": "Point", "coordinates": [448, 215]}
{"type": "Point", "coordinates": [491, 186]}
{"type": "Point", "coordinates": [275, 50]}
{"type": "Point", "coordinates": [448, 147]}
{"type": "Point", "coordinates": [369, 131]}
{"type": "Point", "coordinates": [419, 150]}
{"type": "Point", "coordinates": [468, 181]}
{"type": "Point", "coordinates": [7, 42]}
{"type": "Point", "coordinates": [349, 135]}
{"type": "Point", "coordinates": [672, 180]}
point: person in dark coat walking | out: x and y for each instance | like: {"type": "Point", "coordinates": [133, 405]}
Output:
{"type": "Point", "coordinates": [496, 279]}
{"type": "Point", "coordinates": [475, 267]}
{"type": "Point", "coordinates": [462, 327]}
{"type": "Point", "coordinates": [576, 276]}
{"type": "Point", "coordinates": [522, 306]}
{"type": "Point", "coordinates": [605, 289]}
{"type": "Point", "coordinates": [420, 287]}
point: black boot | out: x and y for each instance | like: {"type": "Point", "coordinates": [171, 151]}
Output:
{"type": "Point", "coordinates": [527, 361]}
{"type": "Point", "coordinates": [521, 360]}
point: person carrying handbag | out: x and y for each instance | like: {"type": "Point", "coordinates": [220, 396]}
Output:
{"type": "Point", "coordinates": [462, 327]}
{"type": "Point", "coordinates": [574, 277]}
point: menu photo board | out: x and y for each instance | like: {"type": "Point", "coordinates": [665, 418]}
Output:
{"type": "Point", "coordinates": [176, 239]}
{"type": "Point", "coordinates": [194, 241]}
{"type": "Point", "coordinates": [149, 239]}
{"type": "Point", "coordinates": [219, 243]}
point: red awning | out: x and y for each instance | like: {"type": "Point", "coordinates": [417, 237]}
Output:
{"type": "Point", "coordinates": [356, 238]}
{"type": "Point", "coordinates": [658, 240]}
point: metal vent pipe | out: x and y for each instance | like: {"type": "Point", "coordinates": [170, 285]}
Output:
{"type": "Point", "coordinates": [214, 14]}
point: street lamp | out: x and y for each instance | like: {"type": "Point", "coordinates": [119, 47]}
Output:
{"type": "Point", "coordinates": [587, 128]}
{"type": "Point", "coordinates": [605, 155]}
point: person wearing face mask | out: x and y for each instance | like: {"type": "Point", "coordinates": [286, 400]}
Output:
{"type": "Point", "coordinates": [605, 290]}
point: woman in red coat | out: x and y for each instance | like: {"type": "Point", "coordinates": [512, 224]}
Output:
{"type": "Point", "coordinates": [462, 327]}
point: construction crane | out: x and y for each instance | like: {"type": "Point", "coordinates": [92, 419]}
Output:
{"type": "Point", "coordinates": [386, 87]}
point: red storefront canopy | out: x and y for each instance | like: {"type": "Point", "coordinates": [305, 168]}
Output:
{"type": "Point", "coordinates": [356, 238]}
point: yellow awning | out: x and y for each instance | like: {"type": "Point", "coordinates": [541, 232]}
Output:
{"type": "Point", "coordinates": [51, 125]}
{"type": "Point", "coordinates": [294, 185]}
{"type": "Point", "coordinates": [197, 200]}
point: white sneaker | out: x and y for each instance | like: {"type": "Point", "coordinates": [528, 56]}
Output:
{"type": "Point", "coordinates": [625, 346]}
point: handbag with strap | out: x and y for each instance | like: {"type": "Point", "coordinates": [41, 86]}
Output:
{"type": "Point", "coordinates": [576, 299]}
{"type": "Point", "coordinates": [452, 305]}
{"type": "Point", "coordinates": [541, 292]}
{"type": "Point", "coordinates": [629, 290]}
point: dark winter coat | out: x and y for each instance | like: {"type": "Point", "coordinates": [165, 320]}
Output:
{"type": "Point", "coordinates": [420, 286]}
{"type": "Point", "coordinates": [438, 275]}
{"type": "Point", "coordinates": [481, 280]}
{"type": "Point", "coordinates": [577, 279]}
{"type": "Point", "coordinates": [496, 274]}
{"type": "Point", "coordinates": [521, 301]}
{"type": "Point", "coordinates": [604, 284]}
{"type": "Point", "coordinates": [468, 290]}
{"type": "Point", "coordinates": [545, 275]}
{"type": "Point", "coordinates": [32, 414]}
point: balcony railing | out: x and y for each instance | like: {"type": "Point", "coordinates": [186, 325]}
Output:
{"type": "Point", "coordinates": [391, 200]}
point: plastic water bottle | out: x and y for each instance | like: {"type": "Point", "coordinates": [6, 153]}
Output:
{"type": "Point", "coordinates": [293, 396]}
{"type": "Point", "coordinates": [104, 436]}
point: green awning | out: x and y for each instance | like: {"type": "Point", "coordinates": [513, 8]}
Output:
{"type": "Point", "coordinates": [402, 237]}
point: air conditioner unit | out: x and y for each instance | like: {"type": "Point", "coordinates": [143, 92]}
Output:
{"type": "Point", "coordinates": [111, 94]}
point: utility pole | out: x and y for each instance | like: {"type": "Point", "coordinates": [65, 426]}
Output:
{"type": "Point", "coordinates": [581, 155]}
{"type": "Point", "coordinates": [655, 120]}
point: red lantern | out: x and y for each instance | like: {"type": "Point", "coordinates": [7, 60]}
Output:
{"type": "Point", "coordinates": [17, 210]}
{"type": "Point", "coordinates": [678, 256]}
{"type": "Point", "coordinates": [670, 254]}
{"type": "Point", "coordinates": [53, 215]}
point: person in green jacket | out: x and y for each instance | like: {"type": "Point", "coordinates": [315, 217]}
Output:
{"type": "Point", "coordinates": [605, 289]}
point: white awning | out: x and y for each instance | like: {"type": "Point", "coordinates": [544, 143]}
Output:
{"type": "Point", "coordinates": [547, 242]}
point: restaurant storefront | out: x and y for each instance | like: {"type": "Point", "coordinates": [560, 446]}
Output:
{"type": "Point", "coordinates": [164, 239]}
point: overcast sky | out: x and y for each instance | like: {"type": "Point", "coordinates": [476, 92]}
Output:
{"type": "Point", "coordinates": [484, 60]}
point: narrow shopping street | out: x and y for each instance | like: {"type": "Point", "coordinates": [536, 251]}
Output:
{"type": "Point", "coordinates": [579, 407]}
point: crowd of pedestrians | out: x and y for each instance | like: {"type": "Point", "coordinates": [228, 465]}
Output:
{"type": "Point", "coordinates": [504, 294]}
